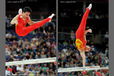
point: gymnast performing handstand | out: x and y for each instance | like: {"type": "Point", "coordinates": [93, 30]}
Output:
{"type": "Point", "coordinates": [23, 18]}
{"type": "Point", "coordinates": [81, 36]}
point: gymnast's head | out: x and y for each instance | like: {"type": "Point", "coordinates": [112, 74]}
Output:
{"type": "Point", "coordinates": [26, 11]}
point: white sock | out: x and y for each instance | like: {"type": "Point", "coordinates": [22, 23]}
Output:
{"type": "Point", "coordinates": [51, 15]}
{"type": "Point", "coordinates": [20, 11]}
{"type": "Point", "coordinates": [90, 6]}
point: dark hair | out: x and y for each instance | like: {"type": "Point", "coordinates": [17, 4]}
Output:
{"type": "Point", "coordinates": [27, 9]}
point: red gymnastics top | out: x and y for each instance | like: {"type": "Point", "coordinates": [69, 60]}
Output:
{"type": "Point", "coordinates": [21, 24]}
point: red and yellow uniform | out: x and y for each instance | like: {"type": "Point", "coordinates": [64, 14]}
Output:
{"type": "Point", "coordinates": [80, 40]}
{"type": "Point", "coordinates": [21, 28]}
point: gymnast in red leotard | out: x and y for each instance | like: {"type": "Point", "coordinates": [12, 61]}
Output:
{"type": "Point", "coordinates": [23, 18]}
{"type": "Point", "coordinates": [81, 36]}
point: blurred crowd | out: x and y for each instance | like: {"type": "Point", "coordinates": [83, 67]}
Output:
{"type": "Point", "coordinates": [88, 73]}
{"type": "Point", "coordinates": [46, 69]}
{"type": "Point", "coordinates": [70, 57]}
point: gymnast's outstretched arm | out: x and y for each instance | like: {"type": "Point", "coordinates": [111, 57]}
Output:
{"type": "Point", "coordinates": [14, 20]}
